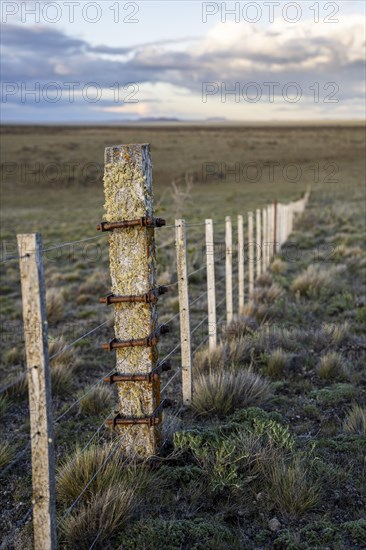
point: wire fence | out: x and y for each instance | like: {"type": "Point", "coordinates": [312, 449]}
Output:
{"type": "Point", "coordinates": [200, 339]}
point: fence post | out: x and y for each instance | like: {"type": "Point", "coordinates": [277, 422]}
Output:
{"type": "Point", "coordinates": [39, 389]}
{"type": "Point", "coordinates": [258, 255]}
{"type": "Point", "coordinates": [275, 230]}
{"type": "Point", "coordinates": [241, 263]}
{"type": "Point", "coordinates": [185, 328]}
{"type": "Point", "coordinates": [128, 197]}
{"type": "Point", "coordinates": [264, 239]}
{"type": "Point", "coordinates": [250, 254]}
{"type": "Point", "coordinates": [229, 269]}
{"type": "Point", "coordinates": [211, 296]}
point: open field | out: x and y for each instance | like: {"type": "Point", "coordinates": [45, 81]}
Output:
{"type": "Point", "coordinates": [288, 474]}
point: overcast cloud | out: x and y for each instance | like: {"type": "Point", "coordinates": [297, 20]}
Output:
{"type": "Point", "coordinates": [169, 74]}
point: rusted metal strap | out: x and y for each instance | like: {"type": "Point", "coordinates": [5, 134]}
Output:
{"type": "Point", "coordinates": [134, 342]}
{"type": "Point", "coordinates": [148, 298]}
{"type": "Point", "coordinates": [148, 377]}
{"type": "Point", "coordinates": [152, 420]}
{"type": "Point", "coordinates": [145, 221]}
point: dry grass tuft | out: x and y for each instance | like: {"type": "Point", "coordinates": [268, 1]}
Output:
{"type": "Point", "coordinates": [312, 281]}
{"type": "Point", "coordinates": [12, 356]}
{"type": "Point", "coordinates": [276, 363]}
{"type": "Point", "coordinates": [278, 266]}
{"type": "Point", "coordinates": [240, 328]}
{"type": "Point", "coordinates": [54, 305]}
{"type": "Point", "coordinates": [268, 295]}
{"type": "Point", "coordinates": [57, 346]}
{"type": "Point", "coordinates": [220, 392]}
{"type": "Point", "coordinates": [336, 333]}
{"type": "Point", "coordinates": [96, 401]}
{"type": "Point", "coordinates": [355, 421]}
{"type": "Point", "coordinates": [289, 484]}
{"type": "Point", "coordinates": [264, 279]}
{"type": "Point", "coordinates": [97, 520]}
{"type": "Point", "coordinates": [4, 405]}
{"type": "Point", "coordinates": [61, 376]}
{"type": "Point", "coordinates": [231, 352]}
{"type": "Point", "coordinates": [96, 283]}
{"type": "Point", "coordinates": [332, 367]}
{"type": "Point", "coordinates": [6, 454]}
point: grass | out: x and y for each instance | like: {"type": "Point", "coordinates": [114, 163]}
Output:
{"type": "Point", "coordinates": [290, 486]}
{"type": "Point", "coordinates": [222, 488]}
{"type": "Point", "coordinates": [312, 281]}
{"type": "Point", "coordinates": [6, 454]}
{"type": "Point", "coordinates": [98, 400]}
{"type": "Point", "coordinates": [54, 305]}
{"type": "Point", "coordinates": [220, 392]}
{"type": "Point", "coordinates": [332, 367]}
{"type": "Point", "coordinates": [355, 421]}
{"type": "Point", "coordinates": [276, 364]}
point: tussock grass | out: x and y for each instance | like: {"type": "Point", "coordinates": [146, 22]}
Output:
{"type": "Point", "coordinates": [264, 280]}
{"type": "Point", "coordinates": [6, 454]}
{"type": "Point", "coordinates": [231, 352]}
{"type": "Point", "coordinates": [312, 281]}
{"type": "Point", "coordinates": [278, 266]}
{"type": "Point", "coordinates": [276, 363]}
{"type": "Point", "coordinates": [289, 484]}
{"type": "Point", "coordinates": [337, 333]}
{"type": "Point", "coordinates": [61, 376]}
{"type": "Point", "coordinates": [332, 367]}
{"type": "Point", "coordinates": [97, 520]}
{"type": "Point", "coordinates": [4, 405]}
{"type": "Point", "coordinates": [355, 421]}
{"type": "Point", "coordinates": [67, 357]}
{"type": "Point", "coordinates": [78, 468]}
{"type": "Point", "coordinates": [268, 295]}
{"type": "Point", "coordinates": [54, 305]}
{"type": "Point", "coordinates": [12, 356]}
{"type": "Point", "coordinates": [240, 328]}
{"type": "Point", "coordinates": [220, 392]}
{"type": "Point", "coordinates": [96, 401]}
{"type": "Point", "coordinates": [96, 283]}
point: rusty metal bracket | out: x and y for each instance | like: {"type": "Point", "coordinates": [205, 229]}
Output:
{"type": "Point", "coordinates": [134, 342]}
{"type": "Point", "coordinates": [148, 377]}
{"type": "Point", "coordinates": [148, 298]}
{"type": "Point", "coordinates": [152, 420]}
{"type": "Point", "coordinates": [145, 221]}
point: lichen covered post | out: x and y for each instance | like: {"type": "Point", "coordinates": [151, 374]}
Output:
{"type": "Point", "coordinates": [128, 196]}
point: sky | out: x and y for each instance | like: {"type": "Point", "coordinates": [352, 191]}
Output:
{"type": "Point", "coordinates": [110, 61]}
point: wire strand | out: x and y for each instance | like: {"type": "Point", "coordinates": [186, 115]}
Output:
{"type": "Point", "coordinates": [80, 338]}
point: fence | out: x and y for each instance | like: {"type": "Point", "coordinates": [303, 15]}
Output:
{"type": "Point", "coordinates": [227, 278]}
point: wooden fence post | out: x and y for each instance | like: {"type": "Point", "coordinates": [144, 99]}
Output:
{"type": "Point", "coordinates": [229, 269]}
{"type": "Point", "coordinates": [185, 327]}
{"type": "Point", "coordinates": [39, 389]}
{"type": "Point", "coordinates": [128, 196]}
{"type": "Point", "coordinates": [241, 289]}
{"type": "Point", "coordinates": [211, 294]}
{"type": "Point", "coordinates": [269, 234]}
{"type": "Point", "coordinates": [258, 254]}
{"type": "Point", "coordinates": [250, 254]}
{"type": "Point", "coordinates": [264, 239]}
{"type": "Point", "coordinates": [275, 229]}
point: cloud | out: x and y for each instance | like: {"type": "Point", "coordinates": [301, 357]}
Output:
{"type": "Point", "coordinates": [304, 53]}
